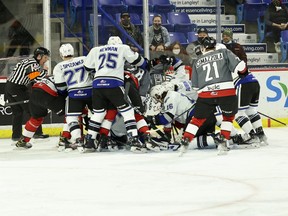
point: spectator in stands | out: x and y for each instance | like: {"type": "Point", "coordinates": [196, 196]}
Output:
{"type": "Point", "coordinates": [276, 20]}
{"type": "Point", "coordinates": [202, 33]}
{"type": "Point", "coordinates": [160, 48]}
{"type": "Point", "coordinates": [158, 34]}
{"type": "Point", "coordinates": [176, 49]}
{"type": "Point", "coordinates": [236, 48]}
{"type": "Point", "coordinates": [131, 29]}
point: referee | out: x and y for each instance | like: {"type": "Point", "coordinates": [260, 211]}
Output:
{"type": "Point", "coordinates": [25, 73]}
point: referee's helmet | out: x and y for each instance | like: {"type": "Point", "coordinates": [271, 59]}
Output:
{"type": "Point", "coordinates": [41, 51]}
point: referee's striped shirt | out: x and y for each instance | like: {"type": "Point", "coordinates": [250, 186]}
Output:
{"type": "Point", "coordinates": [25, 71]}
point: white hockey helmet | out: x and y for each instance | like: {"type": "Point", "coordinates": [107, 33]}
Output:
{"type": "Point", "coordinates": [66, 50]}
{"type": "Point", "coordinates": [113, 40]}
{"type": "Point", "coordinates": [157, 91]}
{"type": "Point", "coordinates": [169, 86]}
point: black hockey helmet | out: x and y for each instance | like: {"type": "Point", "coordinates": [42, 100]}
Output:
{"type": "Point", "coordinates": [41, 51]}
{"type": "Point", "coordinates": [208, 42]}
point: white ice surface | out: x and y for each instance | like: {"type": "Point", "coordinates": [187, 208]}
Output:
{"type": "Point", "coordinates": [246, 182]}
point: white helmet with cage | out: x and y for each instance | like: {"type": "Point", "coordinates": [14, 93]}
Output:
{"type": "Point", "coordinates": [113, 40]}
{"type": "Point", "coordinates": [66, 50]}
{"type": "Point", "coordinates": [157, 91]}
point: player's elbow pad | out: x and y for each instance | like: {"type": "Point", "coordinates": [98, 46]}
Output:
{"type": "Point", "coordinates": [241, 67]}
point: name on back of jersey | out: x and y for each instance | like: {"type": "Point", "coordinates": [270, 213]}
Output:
{"type": "Point", "coordinates": [208, 59]}
{"type": "Point", "coordinates": [72, 64]}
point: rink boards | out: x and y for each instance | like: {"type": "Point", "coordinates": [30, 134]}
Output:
{"type": "Point", "coordinates": [273, 102]}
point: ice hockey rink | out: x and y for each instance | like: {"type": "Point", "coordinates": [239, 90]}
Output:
{"type": "Point", "coordinates": [245, 182]}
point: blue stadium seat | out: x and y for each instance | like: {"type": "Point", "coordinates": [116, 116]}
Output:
{"type": "Point", "coordinates": [261, 27]}
{"type": "Point", "coordinates": [266, 1]}
{"type": "Point", "coordinates": [162, 6]}
{"type": "Point", "coordinates": [74, 9]}
{"type": "Point", "coordinates": [104, 27]}
{"type": "Point", "coordinates": [181, 22]}
{"type": "Point", "coordinates": [192, 36]}
{"type": "Point", "coordinates": [112, 6]}
{"type": "Point", "coordinates": [178, 36]}
{"type": "Point", "coordinates": [248, 11]}
{"type": "Point", "coordinates": [165, 23]}
{"type": "Point", "coordinates": [136, 6]}
{"type": "Point", "coordinates": [284, 45]}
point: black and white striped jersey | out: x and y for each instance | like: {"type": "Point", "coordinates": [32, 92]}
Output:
{"type": "Point", "coordinates": [26, 71]}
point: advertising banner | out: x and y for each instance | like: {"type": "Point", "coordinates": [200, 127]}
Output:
{"type": "Point", "coordinates": [6, 112]}
{"type": "Point", "coordinates": [273, 96]}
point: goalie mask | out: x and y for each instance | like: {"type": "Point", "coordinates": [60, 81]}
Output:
{"type": "Point", "coordinates": [157, 92]}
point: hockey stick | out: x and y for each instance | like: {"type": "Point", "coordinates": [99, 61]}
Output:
{"type": "Point", "coordinates": [13, 103]}
{"type": "Point", "coordinates": [272, 118]}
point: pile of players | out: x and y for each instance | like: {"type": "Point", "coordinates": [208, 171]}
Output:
{"type": "Point", "coordinates": [124, 98]}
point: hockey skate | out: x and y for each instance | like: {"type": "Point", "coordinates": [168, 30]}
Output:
{"type": "Point", "coordinates": [150, 144]}
{"type": "Point", "coordinates": [222, 144]}
{"type": "Point", "coordinates": [261, 135]}
{"type": "Point", "coordinates": [89, 144]}
{"type": "Point", "coordinates": [184, 146]}
{"type": "Point", "coordinates": [246, 140]}
{"type": "Point", "coordinates": [112, 145]}
{"type": "Point", "coordinates": [136, 146]}
{"type": "Point", "coordinates": [254, 140]}
{"type": "Point", "coordinates": [78, 144]}
{"type": "Point", "coordinates": [102, 144]}
{"type": "Point", "coordinates": [63, 143]}
{"type": "Point", "coordinates": [21, 144]}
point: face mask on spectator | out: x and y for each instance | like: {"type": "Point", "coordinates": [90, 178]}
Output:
{"type": "Point", "coordinates": [200, 39]}
{"type": "Point", "coordinates": [176, 51]}
{"type": "Point", "coordinates": [157, 25]}
{"type": "Point", "coordinates": [125, 21]}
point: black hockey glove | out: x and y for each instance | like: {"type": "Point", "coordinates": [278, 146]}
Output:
{"type": "Point", "coordinates": [165, 59]}
{"type": "Point", "coordinates": [150, 120]}
{"type": "Point", "coordinates": [197, 50]}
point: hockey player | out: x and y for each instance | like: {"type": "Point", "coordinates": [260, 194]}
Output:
{"type": "Point", "coordinates": [178, 109]}
{"type": "Point", "coordinates": [133, 97]}
{"type": "Point", "coordinates": [44, 96]}
{"type": "Point", "coordinates": [108, 86]}
{"type": "Point", "coordinates": [166, 69]}
{"type": "Point", "coordinates": [213, 80]}
{"type": "Point", "coordinates": [248, 91]}
{"type": "Point", "coordinates": [71, 77]}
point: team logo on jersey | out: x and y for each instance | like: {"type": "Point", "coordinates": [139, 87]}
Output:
{"type": "Point", "coordinates": [278, 90]}
{"type": "Point", "coordinates": [213, 87]}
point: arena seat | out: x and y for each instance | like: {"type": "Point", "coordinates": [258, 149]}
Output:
{"type": "Point", "coordinates": [181, 22]}
{"type": "Point", "coordinates": [178, 36]}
